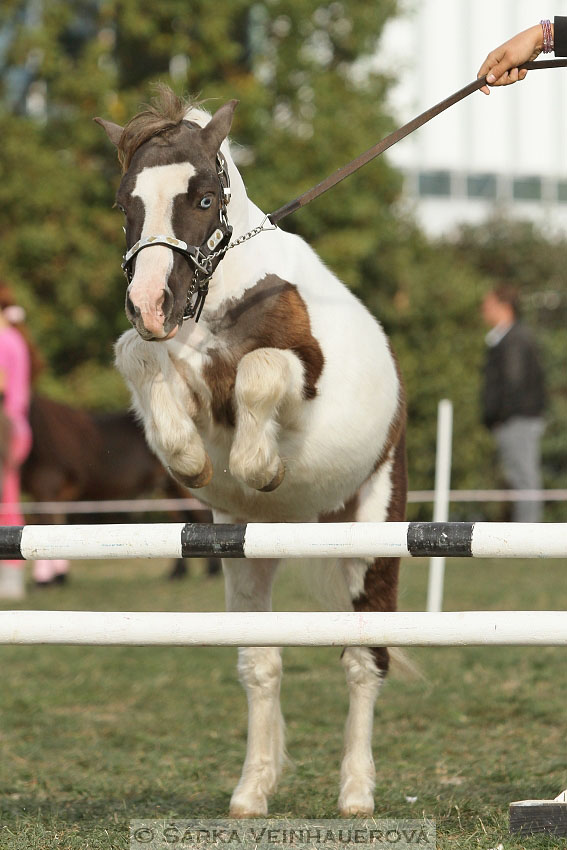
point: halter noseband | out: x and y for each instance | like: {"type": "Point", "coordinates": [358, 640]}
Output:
{"type": "Point", "coordinates": [203, 258]}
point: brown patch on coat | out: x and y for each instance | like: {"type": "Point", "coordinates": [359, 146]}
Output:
{"type": "Point", "coordinates": [381, 579]}
{"type": "Point", "coordinates": [272, 314]}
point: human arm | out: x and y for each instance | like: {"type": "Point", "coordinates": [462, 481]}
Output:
{"type": "Point", "coordinates": [501, 65]}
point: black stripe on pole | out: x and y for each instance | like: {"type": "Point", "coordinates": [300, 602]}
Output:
{"type": "Point", "coordinates": [11, 542]}
{"type": "Point", "coordinates": [202, 539]}
{"type": "Point", "coordinates": [431, 539]}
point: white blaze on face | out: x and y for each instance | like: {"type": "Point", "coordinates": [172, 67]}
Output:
{"type": "Point", "coordinates": [157, 188]}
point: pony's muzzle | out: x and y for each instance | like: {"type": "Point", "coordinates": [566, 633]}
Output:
{"type": "Point", "coordinates": [152, 320]}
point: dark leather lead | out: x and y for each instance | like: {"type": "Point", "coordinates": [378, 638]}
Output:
{"type": "Point", "coordinates": [393, 138]}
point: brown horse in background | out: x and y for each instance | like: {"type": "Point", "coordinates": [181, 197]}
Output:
{"type": "Point", "coordinates": [77, 455]}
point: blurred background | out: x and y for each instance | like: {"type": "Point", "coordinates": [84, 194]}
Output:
{"type": "Point", "coordinates": [477, 198]}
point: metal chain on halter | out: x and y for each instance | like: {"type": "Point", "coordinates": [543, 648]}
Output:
{"type": "Point", "coordinates": [241, 239]}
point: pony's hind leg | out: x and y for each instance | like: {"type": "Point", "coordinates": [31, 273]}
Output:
{"type": "Point", "coordinates": [356, 795]}
{"type": "Point", "coordinates": [373, 587]}
{"type": "Point", "coordinates": [248, 588]}
{"type": "Point", "coordinates": [365, 669]}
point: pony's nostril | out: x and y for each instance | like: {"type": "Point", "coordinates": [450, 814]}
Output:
{"type": "Point", "coordinates": [131, 311]}
{"type": "Point", "coordinates": [167, 303]}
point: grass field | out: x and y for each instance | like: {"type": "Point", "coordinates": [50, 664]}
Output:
{"type": "Point", "coordinates": [92, 737]}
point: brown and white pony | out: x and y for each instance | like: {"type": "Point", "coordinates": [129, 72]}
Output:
{"type": "Point", "coordinates": [282, 404]}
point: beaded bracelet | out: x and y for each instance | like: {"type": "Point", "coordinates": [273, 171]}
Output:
{"type": "Point", "coordinates": [547, 37]}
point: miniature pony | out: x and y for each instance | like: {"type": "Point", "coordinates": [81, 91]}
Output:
{"type": "Point", "coordinates": [282, 403]}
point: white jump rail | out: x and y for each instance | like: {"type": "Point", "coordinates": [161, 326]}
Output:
{"type": "Point", "coordinates": [289, 628]}
{"type": "Point", "coordinates": [285, 540]}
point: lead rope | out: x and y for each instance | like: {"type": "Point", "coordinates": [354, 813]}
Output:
{"type": "Point", "coordinates": [292, 206]}
{"type": "Point", "coordinates": [393, 138]}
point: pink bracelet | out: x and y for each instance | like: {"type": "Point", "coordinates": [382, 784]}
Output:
{"type": "Point", "coordinates": [547, 37]}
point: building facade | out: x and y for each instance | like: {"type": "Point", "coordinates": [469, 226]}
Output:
{"type": "Point", "coordinates": [507, 151]}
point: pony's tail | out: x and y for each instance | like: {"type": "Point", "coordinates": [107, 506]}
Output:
{"type": "Point", "coordinates": [403, 666]}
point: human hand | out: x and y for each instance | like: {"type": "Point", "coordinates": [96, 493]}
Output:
{"type": "Point", "coordinates": [501, 65]}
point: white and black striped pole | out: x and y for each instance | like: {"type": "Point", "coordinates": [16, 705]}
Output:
{"type": "Point", "coordinates": [286, 540]}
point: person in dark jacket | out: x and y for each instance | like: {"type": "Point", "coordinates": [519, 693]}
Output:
{"type": "Point", "coordinates": [513, 399]}
{"type": "Point", "coordinates": [501, 64]}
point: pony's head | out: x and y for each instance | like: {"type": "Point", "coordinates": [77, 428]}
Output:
{"type": "Point", "coordinates": [173, 193]}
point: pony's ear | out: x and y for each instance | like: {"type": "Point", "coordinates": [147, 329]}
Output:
{"type": "Point", "coordinates": [215, 132]}
{"type": "Point", "coordinates": [113, 131]}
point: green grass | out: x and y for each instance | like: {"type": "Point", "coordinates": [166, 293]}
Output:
{"type": "Point", "coordinates": [92, 737]}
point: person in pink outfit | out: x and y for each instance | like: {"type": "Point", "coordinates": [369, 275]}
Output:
{"type": "Point", "coordinates": [15, 378]}
{"type": "Point", "coordinates": [19, 365]}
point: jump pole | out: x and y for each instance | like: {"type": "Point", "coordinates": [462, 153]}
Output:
{"type": "Point", "coordinates": [286, 540]}
{"type": "Point", "coordinates": [286, 628]}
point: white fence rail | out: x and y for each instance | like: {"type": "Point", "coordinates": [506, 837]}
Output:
{"type": "Point", "coordinates": [465, 628]}
{"type": "Point", "coordinates": [133, 506]}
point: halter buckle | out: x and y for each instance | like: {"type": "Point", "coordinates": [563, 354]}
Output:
{"type": "Point", "coordinates": [215, 239]}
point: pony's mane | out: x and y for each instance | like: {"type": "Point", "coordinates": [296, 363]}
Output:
{"type": "Point", "coordinates": [164, 111]}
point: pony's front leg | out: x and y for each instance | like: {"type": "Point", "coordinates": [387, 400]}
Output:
{"type": "Point", "coordinates": [269, 384]}
{"type": "Point", "coordinates": [165, 404]}
{"type": "Point", "coordinates": [248, 588]}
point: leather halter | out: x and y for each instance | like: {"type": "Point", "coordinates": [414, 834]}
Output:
{"type": "Point", "coordinates": [203, 258]}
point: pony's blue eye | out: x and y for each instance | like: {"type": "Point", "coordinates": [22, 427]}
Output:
{"type": "Point", "coordinates": [206, 202]}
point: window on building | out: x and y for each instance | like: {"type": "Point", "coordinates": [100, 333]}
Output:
{"type": "Point", "coordinates": [562, 191]}
{"type": "Point", "coordinates": [435, 183]}
{"type": "Point", "coordinates": [481, 185]}
{"type": "Point", "coordinates": [527, 188]}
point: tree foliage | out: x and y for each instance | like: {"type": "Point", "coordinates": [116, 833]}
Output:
{"type": "Point", "coordinates": [305, 107]}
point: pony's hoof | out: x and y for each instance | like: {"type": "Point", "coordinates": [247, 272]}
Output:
{"type": "Point", "coordinates": [243, 810]}
{"type": "Point", "coordinates": [193, 482]}
{"type": "Point", "coordinates": [356, 798]}
{"type": "Point", "coordinates": [244, 813]}
{"type": "Point", "coordinates": [356, 811]}
{"type": "Point", "coordinates": [276, 480]}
